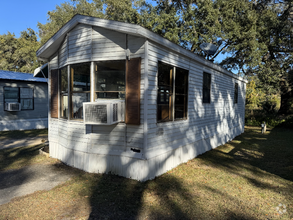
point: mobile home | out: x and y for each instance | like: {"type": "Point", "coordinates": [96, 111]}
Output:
{"type": "Point", "coordinates": [128, 101]}
{"type": "Point", "coordinates": [23, 101]}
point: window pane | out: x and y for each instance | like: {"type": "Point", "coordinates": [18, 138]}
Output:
{"type": "Point", "coordinates": [163, 98]}
{"type": "Point", "coordinates": [64, 106]}
{"type": "Point", "coordinates": [236, 93]}
{"type": "Point", "coordinates": [206, 95]}
{"type": "Point", "coordinates": [27, 104]}
{"type": "Point", "coordinates": [26, 93]}
{"type": "Point", "coordinates": [111, 95]}
{"type": "Point", "coordinates": [181, 81]}
{"type": "Point", "coordinates": [77, 104]}
{"type": "Point", "coordinates": [181, 87]}
{"type": "Point", "coordinates": [64, 80]}
{"type": "Point", "coordinates": [11, 94]}
{"type": "Point", "coordinates": [64, 92]}
{"type": "Point", "coordinates": [165, 77]}
{"type": "Point", "coordinates": [110, 76]}
{"type": "Point", "coordinates": [206, 88]}
{"type": "Point", "coordinates": [81, 77]}
{"type": "Point", "coordinates": [163, 113]}
{"type": "Point", "coordinates": [180, 107]}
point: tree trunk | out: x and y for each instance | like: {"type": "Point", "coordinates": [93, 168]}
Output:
{"type": "Point", "coordinates": [286, 101]}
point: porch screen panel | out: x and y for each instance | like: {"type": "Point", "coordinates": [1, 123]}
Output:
{"type": "Point", "coordinates": [132, 98]}
{"type": "Point", "coordinates": [54, 94]}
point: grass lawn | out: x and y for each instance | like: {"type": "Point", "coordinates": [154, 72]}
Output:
{"type": "Point", "coordinates": [247, 178]}
{"type": "Point", "coordinates": [23, 134]}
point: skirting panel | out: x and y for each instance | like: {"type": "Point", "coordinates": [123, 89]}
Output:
{"type": "Point", "coordinates": [135, 168]}
{"type": "Point", "coordinates": [24, 124]}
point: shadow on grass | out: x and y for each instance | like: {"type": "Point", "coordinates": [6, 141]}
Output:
{"type": "Point", "coordinates": [251, 156]}
{"type": "Point", "coordinates": [183, 193]}
{"type": "Point", "coordinates": [23, 134]}
{"type": "Point", "coordinates": [13, 158]}
{"type": "Point", "coordinates": [115, 197]}
{"type": "Point", "coordinates": [271, 152]}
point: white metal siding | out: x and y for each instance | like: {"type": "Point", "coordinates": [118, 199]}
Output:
{"type": "Point", "coordinates": [73, 141]}
{"type": "Point", "coordinates": [108, 148]}
{"type": "Point", "coordinates": [218, 121]}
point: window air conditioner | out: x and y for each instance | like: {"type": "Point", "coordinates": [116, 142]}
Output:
{"type": "Point", "coordinates": [103, 112]}
{"type": "Point", "coordinates": [12, 106]}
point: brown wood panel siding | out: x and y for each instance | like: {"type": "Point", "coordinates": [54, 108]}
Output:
{"type": "Point", "coordinates": [132, 99]}
{"type": "Point", "coordinates": [54, 94]}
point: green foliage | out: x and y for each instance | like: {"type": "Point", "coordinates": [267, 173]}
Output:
{"type": "Point", "coordinates": [254, 35]}
{"type": "Point", "coordinates": [19, 54]}
{"type": "Point", "coordinates": [253, 96]}
{"type": "Point", "coordinates": [63, 13]}
{"type": "Point", "coordinates": [257, 117]}
{"type": "Point", "coordinates": [122, 10]}
{"type": "Point", "coordinates": [8, 46]}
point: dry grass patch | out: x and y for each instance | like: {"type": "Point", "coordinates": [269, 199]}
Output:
{"type": "Point", "coordinates": [16, 158]}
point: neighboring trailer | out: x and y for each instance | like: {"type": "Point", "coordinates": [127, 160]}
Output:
{"type": "Point", "coordinates": [23, 101]}
{"type": "Point", "coordinates": [177, 104]}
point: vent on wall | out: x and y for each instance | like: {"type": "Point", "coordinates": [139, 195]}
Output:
{"type": "Point", "coordinates": [104, 112]}
{"type": "Point", "coordinates": [12, 106]}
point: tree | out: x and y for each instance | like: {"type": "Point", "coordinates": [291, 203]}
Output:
{"type": "Point", "coordinates": [8, 46]}
{"type": "Point", "coordinates": [19, 54]}
{"type": "Point", "coordinates": [254, 35]}
{"type": "Point", "coordinates": [59, 17]}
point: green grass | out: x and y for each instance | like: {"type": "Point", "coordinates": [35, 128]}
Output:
{"type": "Point", "coordinates": [23, 134]}
{"type": "Point", "coordinates": [246, 178]}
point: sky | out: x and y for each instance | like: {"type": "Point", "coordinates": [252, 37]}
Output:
{"type": "Point", "coordinates": [18, 15]}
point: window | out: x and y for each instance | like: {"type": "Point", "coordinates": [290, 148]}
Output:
{"type": "Point", "coordinates": [23, 95]}
{"type": "Point", "coordinates": [172, 93]}
{"type": "Point", "coordinates": [110, 79]}
{"type": "Point", "coordinates": [206, 89]}
{"type": "Point", "coordinates": [236, 93]}
{"type": "Point", "coordinates": [80, 88]}
{"type": "Point", "coordinates": [64, 92]}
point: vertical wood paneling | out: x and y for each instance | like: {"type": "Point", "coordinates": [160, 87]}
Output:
{"type": "Point", "coordinates": [132, 97]}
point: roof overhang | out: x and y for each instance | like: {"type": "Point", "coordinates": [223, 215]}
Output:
{"type": "Point", "coordinates": [46, 51]}
{"type": "Point", "coordinates": [41, 71]}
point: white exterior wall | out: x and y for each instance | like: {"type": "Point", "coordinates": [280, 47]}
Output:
{"type": "Point", "coordinates": [25, 119]}
{"type": "Point", "coordinates": [97, 148]}
{"type": "Point", "coordinates": [163, 146]}
{"type": "Point", "coordinates": [208, 124]}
